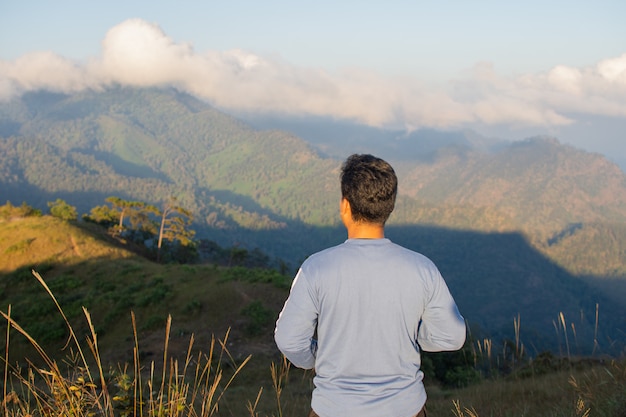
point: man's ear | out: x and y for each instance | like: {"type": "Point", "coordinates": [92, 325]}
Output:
{"type": "Point", "coordinates": [344, 207]}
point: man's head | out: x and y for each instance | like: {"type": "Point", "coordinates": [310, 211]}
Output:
{"type": "Point", "coordinates": [370, 185]}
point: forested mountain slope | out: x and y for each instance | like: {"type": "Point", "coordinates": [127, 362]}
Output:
{"type": "Point", "coordinates": [527, 228]}
{"type": "Point", "coordinates": [150, 144]}
{"type": "Point", "coordinates": [537, 181]}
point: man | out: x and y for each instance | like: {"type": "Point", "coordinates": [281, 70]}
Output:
{"type": "Point", "coordinates": [373, 304]}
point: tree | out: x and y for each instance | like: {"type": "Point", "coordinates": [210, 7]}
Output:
{"type": "Point", "coordinates": [175, 222]}
{"type": "Point", "coordinates": [102, 215]}
{"type": "Point", "coordinates": [136, 211]}
{"type": "Point", "coordinates": [122, 207]}
{"type": "Point", "coordinates": [9, 211]}
{"type": "Point", "coordinates": [62, 210]}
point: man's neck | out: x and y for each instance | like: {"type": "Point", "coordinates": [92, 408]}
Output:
{"type": "Point", "coordinates": [359, 230]}
{"type": "Point", "coordinates": [366, 231]}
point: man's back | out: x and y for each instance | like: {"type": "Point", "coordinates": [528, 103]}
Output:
{"type": "Point", "coordinates": [369, 296]}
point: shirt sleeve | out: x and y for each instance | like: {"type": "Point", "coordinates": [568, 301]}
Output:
{"type": "Point", "coordinates": [442, 327]}
{"type": "Point", "coordinates": [296, 324]}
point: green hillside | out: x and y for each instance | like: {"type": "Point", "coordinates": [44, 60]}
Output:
{"type": "Point", "coordinates": [84, 268]}
{"type": "Point", "coordinates": [163, 142]}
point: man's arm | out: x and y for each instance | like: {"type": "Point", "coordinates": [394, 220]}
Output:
{"type": "Point", "coordinates": [442, 327]}
{"type": "Point", "coordinates": [296, 325]}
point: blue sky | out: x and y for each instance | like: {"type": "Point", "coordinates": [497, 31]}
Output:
{"type": "Point", "coordinates": [510, 69]}
{"type": "Point", "coordinates": [424, 37]}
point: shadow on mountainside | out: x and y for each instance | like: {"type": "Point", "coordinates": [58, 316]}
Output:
{"type": "Point", "coordinates": [499, 278]}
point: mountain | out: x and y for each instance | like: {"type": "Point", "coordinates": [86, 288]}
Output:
{"type": "Point", "coordinates": [149, 144]}
{"type": "Point", "coordinates": [337, 138]}
{"type": "Point", "coordinates": [533, 227]}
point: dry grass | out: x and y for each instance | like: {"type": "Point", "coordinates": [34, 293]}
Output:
{"type": "Point", "coordinates": [47, 239]}
{"type": "Point", "coordinates": [192, 388]}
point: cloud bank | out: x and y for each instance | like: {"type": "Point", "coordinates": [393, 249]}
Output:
{"type": "Point", "coordinates": [137, 53]}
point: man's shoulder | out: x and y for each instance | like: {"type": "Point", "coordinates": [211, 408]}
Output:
{"type": "Point", "coordinates": [408, 251]}
{"type": "Point", "coordinates": [344, 249]}
{"type": "Point", "coordinates": [325, 253]}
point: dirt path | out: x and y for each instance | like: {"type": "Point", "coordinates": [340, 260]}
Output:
{"type": "Point", "coordinates": [75, 247]}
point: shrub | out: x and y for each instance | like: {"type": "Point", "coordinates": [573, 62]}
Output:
{"type": "Point", "coordinates": [62, 210]}
{"type": "Point", "coordinates": [259, 316]}
{"type": "Point", "coordinates": [262, 275]}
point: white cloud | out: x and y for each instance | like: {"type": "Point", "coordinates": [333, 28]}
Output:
{"type": "Point", "coordinates": [566, 79]}
{"type": "Point", "coordinates": [614, 70]}
{"type": "Point", "coordinates": [42, 70]}
{"type": "Point", "coordinates": [138, 53]}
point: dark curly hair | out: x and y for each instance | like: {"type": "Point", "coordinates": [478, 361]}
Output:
{"type": "Point", "coordinates": [370, 185]}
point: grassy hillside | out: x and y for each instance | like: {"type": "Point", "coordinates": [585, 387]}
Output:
{"type": "Point", "coordinates": [40, 242]}
{"type": "Point", "coordinates": [83, 269]}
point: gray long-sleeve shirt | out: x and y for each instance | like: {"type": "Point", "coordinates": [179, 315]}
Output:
{"type": "Point", "coordinates": [372, 302]}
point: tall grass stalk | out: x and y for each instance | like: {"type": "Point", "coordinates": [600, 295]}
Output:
{"type": "Point", "coordinates": [6, 360]}
{"type": "Point", "coordinates": [279, 376]}
{"type": "Point", "coordinates": [562, 321]}
{"type": "Point", "coordinates": [461, 412]}
{"type": "Point", "coordinates": [252, 407]}
{"type": "Point", "coordinates": [137, 391]}
{"type": "Point", "coordinates": [519, 347]}
{"type": "Point", "coordinates": [595, 331]}
{"type": "Point", "coordinates": [93, 346]}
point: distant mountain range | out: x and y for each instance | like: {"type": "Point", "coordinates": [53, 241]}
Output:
{"type": "Point", "coordinates": [337, 138]}
{"type": "Point", "coordinates": [532, 227]}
